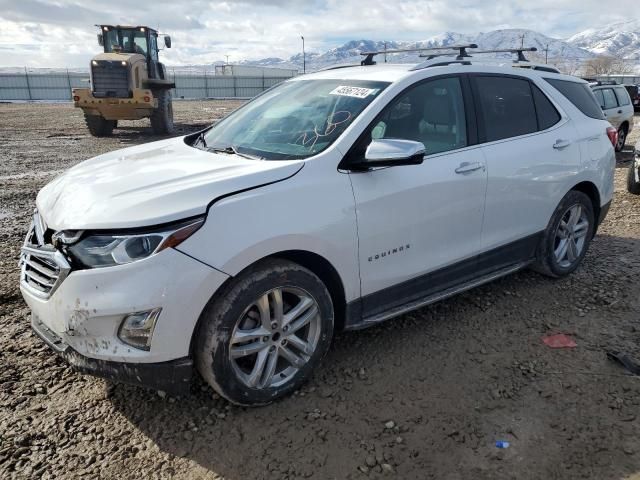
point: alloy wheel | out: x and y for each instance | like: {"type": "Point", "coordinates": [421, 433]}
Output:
{"type": "Point", "coordinates": [571, 235]}
{"type": "Point", "coordinates": [275, 337]}
{"type": "Point", "coordinates": [621, 139]}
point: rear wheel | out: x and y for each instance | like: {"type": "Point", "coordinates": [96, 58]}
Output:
{"type": "Point", "coordinates": [99, 126]}
{"type": "Point", "coordinates": [162, 117]}
{"type": "Point", "coordinates": [567, 237]}
{"type": "Point", "coordinates": [262, 336]}
{"type": "Point", "coordinates": [622, 138]}
{"type": "Point", "coordinates": [633, 177]}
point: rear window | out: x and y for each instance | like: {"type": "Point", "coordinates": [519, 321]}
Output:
{"type": "Point", "coordinates": [548, 116]}
{"type": "Point", "coordinates": [609, 98]}
{"type": "Point", "coordinates": [623, 96]}
{"type": "Point", "coordinates": [580, 95]}
{"type": "Point", "coordinates": [507, 107]}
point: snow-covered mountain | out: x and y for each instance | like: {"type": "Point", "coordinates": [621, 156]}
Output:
{"type": "Point", "coordinates": [508, 38]}
{"type": "Point", "coordinates": [619, 39]}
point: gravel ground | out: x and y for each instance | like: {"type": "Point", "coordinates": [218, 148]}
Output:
{"type": "Point", "coordinates": [423, 396]}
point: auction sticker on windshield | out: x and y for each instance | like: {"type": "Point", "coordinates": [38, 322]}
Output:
{"type": "Point", "coordinates": [357, 92]}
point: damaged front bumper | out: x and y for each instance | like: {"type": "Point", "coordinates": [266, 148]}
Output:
{"type": "Point", "coordinates": [81, 318]}
{"type": "Point", "coordinates": [173, 377]}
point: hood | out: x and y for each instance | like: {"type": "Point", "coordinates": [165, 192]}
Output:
{"type": "Point", "coordinates": [150, 184]}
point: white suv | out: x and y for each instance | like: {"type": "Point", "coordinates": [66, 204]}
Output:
{"type": "Point", "coordinates": [333, 201]}
{"type": "Point", "coordinates": [616, 104]}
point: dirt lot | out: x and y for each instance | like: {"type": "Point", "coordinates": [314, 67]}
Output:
{"type": "Point", "coordinates": [423, 396]}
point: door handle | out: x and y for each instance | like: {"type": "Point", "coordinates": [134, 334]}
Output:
{"type": "Point", "coordinates": [619, 111]}
{"type": "Point", "coordinates": [560, 144]}
{"type": "Point", "coordinates": [466, 167]}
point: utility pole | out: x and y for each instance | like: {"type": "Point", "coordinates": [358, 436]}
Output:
{"type": "Point", "coordinates": [385, 51]}
{"type": "Point", "coordinates": [227, 57]}
{"type": "Point", "coordinates": [522, 41]}
{"type": "Point", "coordinates": [304, 59]}
{"type": "Point", "coordinates": [546, 53]}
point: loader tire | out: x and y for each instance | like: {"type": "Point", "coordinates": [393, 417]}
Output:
{"type": "Point", "coordinates": [162, 117]}
{"type": "Point", "coordinates": [99, 126]}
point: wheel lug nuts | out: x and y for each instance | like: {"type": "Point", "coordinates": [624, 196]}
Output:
{"type": "Point", "coordinates": [283, 342]}
{"type": "Point", "coordinates": [274, 325]}
{"type": "Point", "coordinates": [272, 348]}
{"type": "Point", "coordinates": [285, 328]}
{"type": "Point", "coordinates": [265, 339]}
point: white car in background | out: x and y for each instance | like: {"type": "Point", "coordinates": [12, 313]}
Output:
{"type": "Point", "coordinates": [616, 104]}
{"type": "Point", "coordinates": [333, 201]}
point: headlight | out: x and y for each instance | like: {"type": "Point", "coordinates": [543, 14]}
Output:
{"type": "Point", "coordinates": [109, 249]}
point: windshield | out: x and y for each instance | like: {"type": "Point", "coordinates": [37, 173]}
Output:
{"type": "Point", "coordinates": [130, 40]}
{"type": "Point", "coordinates": [296, 119]}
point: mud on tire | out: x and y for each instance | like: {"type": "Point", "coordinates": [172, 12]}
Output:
{"type": "Point", "coordinates": [99, 126]}
{"type": "Point", "coordinates": [162, 117]}
{"type": "Point", "coordinates": [218, 326]}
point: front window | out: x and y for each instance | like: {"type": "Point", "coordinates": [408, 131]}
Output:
{"type": "Point", "coordinates": [130, 40]}
{"type": "Point", "coordinates": [297, 119]}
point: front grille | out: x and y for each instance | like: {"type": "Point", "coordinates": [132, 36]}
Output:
{"type": "Point", "coordinates": [110, 79]}
{"type": "Point", "coordinates": [42, 266]}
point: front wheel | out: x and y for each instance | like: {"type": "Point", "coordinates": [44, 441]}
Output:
{"type": "Point", "coordinates": [162, 117]}
{"type": "Point", "coordinates": [633, 176]}
{"type": "Point", "coordinates": [263, 335]}
{"type": "Point", "coordinates": [566, 239]}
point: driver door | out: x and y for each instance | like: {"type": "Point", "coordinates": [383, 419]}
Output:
{"type": "Point", "coordinates": [419, 226]}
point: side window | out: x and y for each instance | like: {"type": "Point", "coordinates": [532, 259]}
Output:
{"type": "Point", "coordinates": [580, 94]}
{"type": "Point", "coordinates": [548, 116]}
{"type": "Point", "coordinates": [431, 112]}
{"type": "Point", "coordinates": [153, 47]}
{"type": "Point", "coordinates": [609, 98]}
{"type": "Point", "coordinates": [506, 107]}
{"type": "Point", "coordinates": [623, 96]}
{"type": "Point", "coordinates": [599, 97]}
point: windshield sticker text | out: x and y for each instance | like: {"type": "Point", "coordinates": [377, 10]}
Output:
{"type": "Point", "coordinates": [357, 92]}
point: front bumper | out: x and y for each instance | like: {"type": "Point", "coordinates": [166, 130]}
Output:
{"type": "Point", "coordinates": [81, 318]}
{"type": "Point", "coordinates": [173, 377]}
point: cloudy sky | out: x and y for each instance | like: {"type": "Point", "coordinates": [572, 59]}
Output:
{"type": "Point", "coordinates": [61, 33]}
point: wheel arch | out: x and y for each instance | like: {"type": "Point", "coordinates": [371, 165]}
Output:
{"type": "Point", "coordinates": [625, 125]}
{"type": "Point", "coordinates": [591, 191]}
{"type": "Point", "coordinates": [314, 262]}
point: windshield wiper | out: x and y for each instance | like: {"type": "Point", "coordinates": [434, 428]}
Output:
{"type": "Point", "coordinates": [233, 150]}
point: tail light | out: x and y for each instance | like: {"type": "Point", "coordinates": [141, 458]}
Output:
{"type": "Point", "coordinates": [76, 98]}
{"type": "Point", "coordinates": [612, 133]}
{"type": "Point", "coordinates": [146, 99]}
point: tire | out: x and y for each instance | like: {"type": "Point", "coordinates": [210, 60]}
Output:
{"type": "Point", "coordinates": [549, 258]}
{"type": "Point", "coordinates": [622, 138]}
{"type": "Point", "coordinates": [162, 117]}
{"type": "Point", "coordinates": [633, 177]}
{"type": "Point", "coordinates": [231, 325]}
{"type": "Point", "coordinates": [99, 126]}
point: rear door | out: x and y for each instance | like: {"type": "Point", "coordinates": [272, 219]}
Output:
{"type": "Point", "coordinates": [612, 111]}
{"type": "Point", "coordinates": [530, 148]}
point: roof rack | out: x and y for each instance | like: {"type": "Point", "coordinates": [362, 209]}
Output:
{"type": "Point", "coordinates": [597, 83]}
{"type": "Point", "coordinates": [518, 51]}
{"type": "Point", "coordinates": [462, 52]}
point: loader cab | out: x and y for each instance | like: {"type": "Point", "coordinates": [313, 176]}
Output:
{"type": "Point", "coordinates": [134, 40]}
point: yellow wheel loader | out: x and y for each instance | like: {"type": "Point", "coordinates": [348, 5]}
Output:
{"type": "Point", "coordinates": [127, 82]}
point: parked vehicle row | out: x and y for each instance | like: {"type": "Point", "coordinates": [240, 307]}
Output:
{"type": "Point", "coordinates": [333, 201]}
{"type": "Point", "coordinates": [617, 107]}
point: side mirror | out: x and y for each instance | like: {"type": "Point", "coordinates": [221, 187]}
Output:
{"type": "Point", "coordinates": [390, 152]}
{"type": "Point", "coordinates": [100, 40]}
{"type": "Point", "coordinates": [167, 41]}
